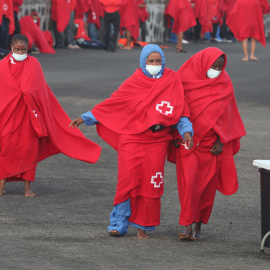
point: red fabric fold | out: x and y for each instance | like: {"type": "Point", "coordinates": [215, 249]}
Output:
{"type": "Point", "coordinates": [48, 119]}
{"type": "Point", "coordinates": [60, 14]}
{"type": "Point", "coordinates": [182, 13]}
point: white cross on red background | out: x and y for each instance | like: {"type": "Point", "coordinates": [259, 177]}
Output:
{"type": "Point", "coordinates": [157, 180]}
{"type": "Point", "coordinates": [164, 107]}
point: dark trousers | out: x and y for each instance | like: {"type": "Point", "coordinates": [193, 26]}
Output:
{"type": "Point", "coordinates": [17, 24]}
{"type": "Point", "coordinates": [4, 35]}
{"type": "Point", "coordinates": [197, 31]}
{"type": "Point", "coordinates": [114, 20]}
{"type": "Point", "coordinates": [143, 30]}
{"type": "Point", "coordinates": [59, 37]}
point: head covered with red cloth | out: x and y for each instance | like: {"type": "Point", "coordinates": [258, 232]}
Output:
{"type": "Point", "coordinates": [211, 101]}
{"type": "Point", "coordinates": [136, 105]}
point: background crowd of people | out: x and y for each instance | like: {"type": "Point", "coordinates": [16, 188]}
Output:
{"type": "Point", "coordinates": [108, 24]}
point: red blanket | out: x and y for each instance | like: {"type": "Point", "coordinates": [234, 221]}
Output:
{"type": "Point", "coordinates": [143, 14]}
{"type": "Point", "coordinates": [47, 117]}
{"type": "Point", "coordinates": [139, 103]}
{"type": "Point", "coordinates": [182, 13]}
{"type": "Point", "coordinates": [34, 34]}
{"type": "Point", "coordinates": [212, 106]}
{"type": "Point", "coordinates": [82, 7]}
{"type": "Point", "coordinates": [246, 19]}
{"type": "Point", "coordinates": [129, 14]}
{"type": "Point", "coordinates": [60, 14]}
{"type": "Point", "coordinates": [16, 5]}
{"type": "Point", "coordinates": [200, 11]}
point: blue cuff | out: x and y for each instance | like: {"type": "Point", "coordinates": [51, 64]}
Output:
{"type": "Point", "coordinates": [183, 126]}
{"type": "Point", "coordinates": [89, 119]}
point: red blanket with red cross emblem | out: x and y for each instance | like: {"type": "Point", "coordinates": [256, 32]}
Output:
{"type": "Point", "coordinates": [139, 103]}
{"type": "Point", "coordinates": [49, 121]}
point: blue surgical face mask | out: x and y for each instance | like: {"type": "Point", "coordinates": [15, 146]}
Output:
{"type": "Point", "coordinates": [153, 70]}
{"type": "Point", "coordinates": [212, 73]}
{"type": "Point", "coordinates": [19, 57]}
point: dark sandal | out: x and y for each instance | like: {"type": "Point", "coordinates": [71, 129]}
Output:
{"type": "Point", "coordinates": [181, 51]}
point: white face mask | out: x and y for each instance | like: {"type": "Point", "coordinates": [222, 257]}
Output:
{"type": "Point", "coordinates": [212, 73]}
{"type": "Point", "coordinates": [19, 57]}
{"type": "Point", "coordinates": [153, 70]}
{"type": "Point", "coordinates": [35, 21]}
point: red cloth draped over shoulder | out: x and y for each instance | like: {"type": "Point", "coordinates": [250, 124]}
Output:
{"type": "Point", "coordinates": [129, 17]}
{"type": "Point", "coordinates": [182, 13]}
{"type": "Point", "coordinates": [16, 5]}
{"type": "Point", "coordinates": [72, 4]}
{"type": "Point", "coordinates": [81, 8]}
{"type": "Point", "coordinates": [143, 14]}
{"type": "Point", "coordinates": [51, 123]}
{"type": "Point", "coordinates": [6, 8]}
{"type": "Point", "coordinates": [60, 14]}
{"type": "Point", "coordinates": [246, 20]}
{"type": "Point", "coordinates": [136, 106]}
{"type": "Point", "coordinates": [30, 28]}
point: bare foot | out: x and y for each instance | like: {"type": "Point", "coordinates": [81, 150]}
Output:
{"type": "Point", "coordinates": [197, 231]}
{"type": "Point", "coordinates": [114, 233]}
{"type": "Point", "coordinates": [126, 48]}
{"type": "Point", "coordinates": [142, 234]}
{"type": "Point", "coordinates": [185, 236]}
{"type": "Point", "coordinates": [197, 236]}
{"type": "Point", "coordinates": [2, 187]}
{"type": "Point", "coordinates": [245, 59]}
{"type": "Point", "coordinates": [254, 58]}
{"type": "Point", "coordinates": [27, 189]}
{"type": "Point", "coordinates": [29, 193]}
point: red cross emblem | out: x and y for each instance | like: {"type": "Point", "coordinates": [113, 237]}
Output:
{"type": "Point", "coordinates": [164, 107]}
{"type": "Point", "coordinates": [157, 180]}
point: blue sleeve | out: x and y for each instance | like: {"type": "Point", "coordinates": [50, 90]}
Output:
{"type": "Point", "coordinates": [183, 126]}
{"type": "Point", "coordinates": [89, 119]}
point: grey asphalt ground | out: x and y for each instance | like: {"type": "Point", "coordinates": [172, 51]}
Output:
{"type": "Point", "coordinates": [65, 225]}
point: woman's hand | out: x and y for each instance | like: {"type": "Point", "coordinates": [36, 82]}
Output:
{"type": "Point", "coordinates": [217, 148]}
{"type": "Point", "coordinates": [188, 141]}
{"type": "Point", "coordinates": [76, 122]}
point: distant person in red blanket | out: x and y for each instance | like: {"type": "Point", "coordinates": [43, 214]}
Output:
{"type": "Point", "coordinates": [246, 21]}
{"type": "Point", "coordinates": [136, 121]}
{"type": "Point", "coordinates": [181, 12]}
{"type": "Point", "coordinates": [39, 41]}
{"type": "Point", "coordinates": [209, 165]}
{"type": "Point", "coordinates": [33, 124]}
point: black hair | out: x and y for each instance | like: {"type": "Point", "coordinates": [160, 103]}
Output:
{"type": "Point", "coordinates": [19, 37]}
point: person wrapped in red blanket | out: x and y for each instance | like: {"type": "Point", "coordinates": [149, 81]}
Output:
{"type": "Point", "coordinates": [39, 41]}
{"type": "Point", "coordinates": [209, 165]}
{"type": "Point", "coordinates": [181, 12]}
{"type": "Point", "coordinates": [33, 124]}
{"type": "Point", "coordinates": [136, 121]}
{"type": "Point", "coordinates": [246, 21]}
